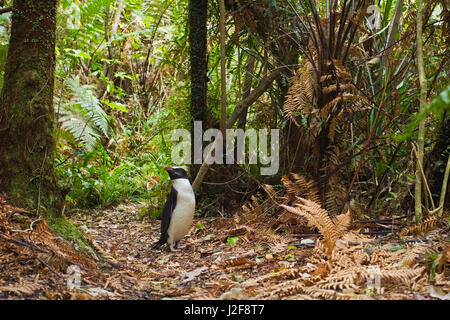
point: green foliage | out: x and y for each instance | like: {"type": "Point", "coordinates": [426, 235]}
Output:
{"type": "Point", "coordinates": [231, 241]}
{"type": "Point", "coordinates": [112, 148]}
{"type": "Point", "coordinates": [199, 226]}
{"type": "Point", "coordinates": [433, 261]}
{"type": "Point", "coordinates": [83, 116]}
{"type": "Point", "coordinates": [437, 108]}
{"type": "Point", "coordinates": [96, 181]}
{"type": "Point", "coordinates": [94, 7]}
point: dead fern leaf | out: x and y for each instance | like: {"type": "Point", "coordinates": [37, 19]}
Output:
{"type": "Point", "coordinates": [423, 227]}
{"type": "Point", "coordinates": [319, 217]}
{"type": "Point", "coordinates": [301, 96]}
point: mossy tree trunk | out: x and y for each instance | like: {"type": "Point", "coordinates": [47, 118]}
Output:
{"type": "Point", "coordinates": [27, 117]}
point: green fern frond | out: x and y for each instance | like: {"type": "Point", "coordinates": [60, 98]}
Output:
{"type": "Point", "coordinates": [83, 116]}
{"type": "Point", "coordinates": [93, 7]}
{"type": "Point", "coordinates": [78, 124]}
{"type": "Point", "coordinates": [65, 135]}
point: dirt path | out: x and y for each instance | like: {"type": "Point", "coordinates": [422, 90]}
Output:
{"type": "Point", "coordinates": [244, 257]}
{"type": "Point", "coordinates": [218, 256]}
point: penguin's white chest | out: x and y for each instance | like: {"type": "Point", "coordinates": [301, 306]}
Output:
{"type": "Point", "coordinates": [182, 215]}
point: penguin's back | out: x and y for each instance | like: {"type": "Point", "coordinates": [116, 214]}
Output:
{"type": "Point", "coordinates": [183, 213]}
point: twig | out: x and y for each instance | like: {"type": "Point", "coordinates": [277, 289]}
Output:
{"type": "Point", "coordinates": [379, 232]}
{"type": "Point", "coordinates": [24, 243]}
{"type": "Point", "coordinates": [223, 183]}
{"type": "Point", "coordinates": [49, 267]}
{"type": "Point", "coordinates": [380, 220]}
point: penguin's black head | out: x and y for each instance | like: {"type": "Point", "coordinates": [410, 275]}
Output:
{"type": "Point", "coordinates": [176, 173]}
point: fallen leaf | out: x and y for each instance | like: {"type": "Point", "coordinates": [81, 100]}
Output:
{"type": "Point", "coordinates": [189, 276]}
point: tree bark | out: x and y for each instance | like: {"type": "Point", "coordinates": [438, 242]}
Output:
{"type": "Point", "coordinates": [423, 101]}
{"type": "Point", "coordinates": [248, 80]}
{"type": "Point", "coordinates": [27, 117]}
{"type": "Point", "coordinates": [198, 14]}
{"type": "Point", "coordinates": [198, 17]}
{"type": "Point", "coordinates": [223, 75]}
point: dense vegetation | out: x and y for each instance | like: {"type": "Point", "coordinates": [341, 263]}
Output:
{"type": "Point", "coordinates": [122, 83]}
{"type": "Point", "coordinates": [357, 208]}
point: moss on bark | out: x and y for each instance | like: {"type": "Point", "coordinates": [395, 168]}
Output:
{"type": "Point", "coordinates": [69, 231]}
{"type": "Point", "coordinates": [27, 117]}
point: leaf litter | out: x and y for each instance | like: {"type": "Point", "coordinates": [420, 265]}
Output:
{"type": "Point", "coordinates": [260, 262]}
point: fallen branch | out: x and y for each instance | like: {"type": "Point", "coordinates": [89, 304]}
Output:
{"type": "Point", "coordinates": [25, 244]}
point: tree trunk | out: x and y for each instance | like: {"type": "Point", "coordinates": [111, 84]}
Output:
{"type": "Point", "coordinates": [198, 16]}
{"type": "Point", "coordinates": [423, 101]}
{"type": "Point", "coordinates": [248, 80]}
{"type": "Point", "coordinates": [198, 10]}
{"type": "Point", "coordinates": [27, 117]}
{"type": "Point", "coordinates": [223, 76]}
{"type": "Point", "coordinates": [444, 188]}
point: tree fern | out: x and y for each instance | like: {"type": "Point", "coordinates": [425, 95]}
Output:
{"type": "Point", "coordinates": [82, 115]}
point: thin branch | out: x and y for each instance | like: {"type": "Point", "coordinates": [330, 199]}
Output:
{"type": "Point", "coordinates": [5, 10]}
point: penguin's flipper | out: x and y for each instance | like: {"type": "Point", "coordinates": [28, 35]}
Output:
{"type": "Point", "coordinates": [169, 206]}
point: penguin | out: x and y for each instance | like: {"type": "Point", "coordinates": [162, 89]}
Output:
{"type": "Point", "coordinates": [178, 211]}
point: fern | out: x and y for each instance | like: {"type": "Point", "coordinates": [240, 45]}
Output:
{"type": "Point", "coordinates": [94, 7]}
{"type": "Point", "coordinates": [83, 115]}
{"type": "Point", "coordinates": [331, 229]}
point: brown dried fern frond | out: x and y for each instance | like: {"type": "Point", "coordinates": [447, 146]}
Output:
{"type": "Point", "coordinates": [299, 186]}
{"type": "Point", "coordinates": [301, 97]}
{"type": "Point", "coordinates": [316, 215]}
{"type": "Point", "coordinates": [413, 254]}
{"type": "Point", "coordinates": [342, 86]}
{"type": "Point", "coordinates": [404, 275]}
{"type": "Point", "coordinates": [283, 289]}
{"type": "Point", "coordinates": [425, 226]}
{"type": "Point", "coordinates": [41, 233]}
{"type": "Point", "coordinates": [251, 209]}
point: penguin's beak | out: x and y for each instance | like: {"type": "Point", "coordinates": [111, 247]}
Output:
{"type": "Point", "coordinates": [167, 168]}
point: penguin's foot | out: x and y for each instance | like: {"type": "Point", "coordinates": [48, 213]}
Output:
{"type": "Point", "coordinates": [180, 245]}
{"type": "Point", "coordinates": [172, 248]}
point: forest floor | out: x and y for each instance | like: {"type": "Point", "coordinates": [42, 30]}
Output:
{"type": "Point", "coordinates": [225, 258]}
